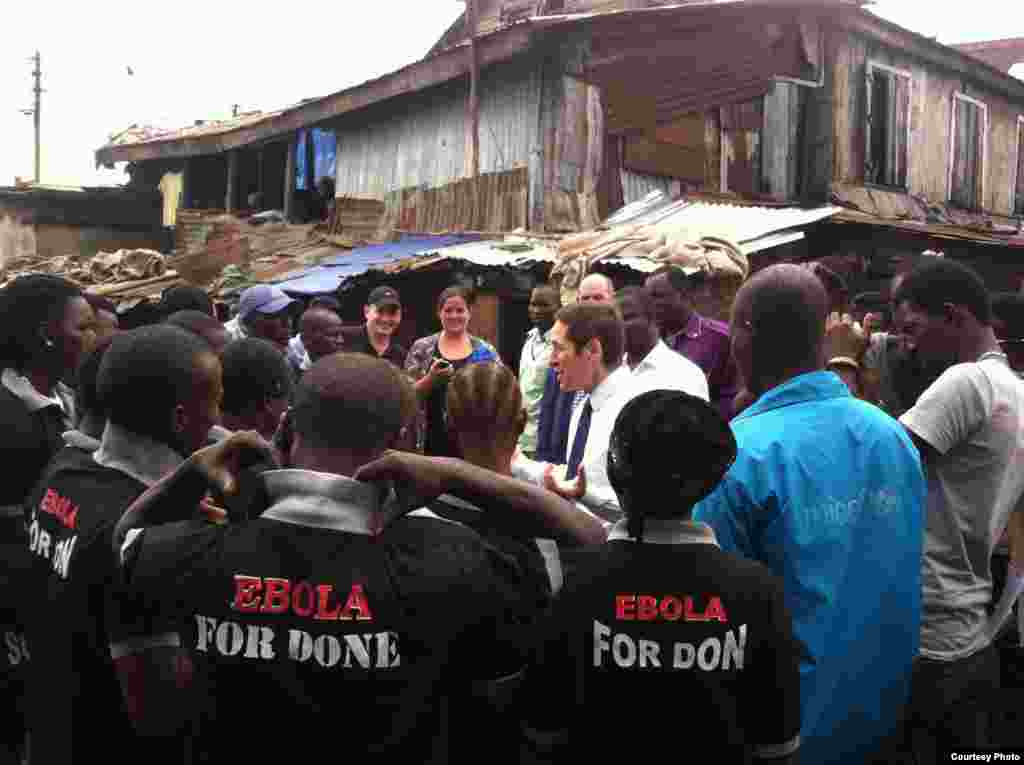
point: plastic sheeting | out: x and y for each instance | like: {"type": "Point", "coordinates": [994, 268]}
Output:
{"type": "Point", "coordinates": [333, 272]}
{"type": "Point", "coordinates": [325, 148]}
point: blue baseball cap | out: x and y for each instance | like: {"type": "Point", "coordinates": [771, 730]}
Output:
{"type": "Point", "coordinates": [265, 299]}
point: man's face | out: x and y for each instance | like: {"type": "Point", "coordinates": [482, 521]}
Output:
{"type": "Point", "coordinates": [543, 307]}
{"type": "Point", "coordinates": [383, 319]}
{"type": "Point", "coordinates": [321, 334]}
{"type": "Point", "coordinates": [201, 412]}
{"type": "Point", "coordinates": [595, 289]}
{"type": "Point", "coordinates": [636, 323]}
{"type": "Point", "coordinates": [668, 306]}
{"type": "Point", "coordinates": [932, 339]}
{"type": "Point", "coordinates": [273, 327]}
{"type": "Point", "coordinates": [575, 368]}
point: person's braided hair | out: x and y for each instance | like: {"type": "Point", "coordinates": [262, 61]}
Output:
{"type": "Point", "coordinates": [485, 400]}
{"type": "Point", "coordinates": [668, 450]}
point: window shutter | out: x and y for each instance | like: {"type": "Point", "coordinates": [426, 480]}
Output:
{"type": "Point", "coordinates": [898, 138]}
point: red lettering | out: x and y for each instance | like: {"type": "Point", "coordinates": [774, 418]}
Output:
{"type": "Point", "coordinates": [647, 608]}
{"type": "Point", "coordinates": [247, 590]}
{"type": "Point", "coordinates": [622, 603]}
{"type": "Point", "coordinates": [688, 612]}
{"type": "Point", "coordinates": [671, 608]}
{"type": "Point", "coordinates": [62, 509]}
{"type": "Point", "coordinates": [715, 611]}
{"type": "Point", "coordinates": [276, 596]}
{"type": "Point", "coordinates": [357, 602]}
{"type": "Point", "coordinates": [323, 613]}
{"type": "Point", "coordinates": [300, 591]}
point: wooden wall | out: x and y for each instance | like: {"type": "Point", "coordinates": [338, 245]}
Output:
{"type": "Point", "coordinates": [931, 98]}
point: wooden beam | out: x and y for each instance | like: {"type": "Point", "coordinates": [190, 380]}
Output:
{"type": "Point", "coordinates": [473, 102]}
{"type": "Point", "coordinates": [421, 75]}
{"type": "Point", "coordinates": [289, 178]}
{"type": "Point", "coordinates": [232, 185]}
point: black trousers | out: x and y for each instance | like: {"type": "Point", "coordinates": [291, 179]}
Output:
{"type": "Point", "coordinates": [950, 703]}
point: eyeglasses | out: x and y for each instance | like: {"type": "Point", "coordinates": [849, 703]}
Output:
{"type": "Point", "coordinates": [1017, 341]}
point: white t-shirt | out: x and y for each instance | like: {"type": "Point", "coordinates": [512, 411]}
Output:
{"type": "Point", "coordinates": [973, 416]}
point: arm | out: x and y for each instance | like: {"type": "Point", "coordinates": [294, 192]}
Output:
{"type": "Point", "coordinates": [177, 497]}
{"type": "Point", "coordinates": [530, 510]}
{"type": "Point", "coordinates": [952, 408]}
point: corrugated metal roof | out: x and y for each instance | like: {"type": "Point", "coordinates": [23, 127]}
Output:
{"type": "Point", "coordinates": [737, 223]}
{"type": "Point", "coordinates": [511, 252]}
{"type": "Point", "coordinates": [331, 273]}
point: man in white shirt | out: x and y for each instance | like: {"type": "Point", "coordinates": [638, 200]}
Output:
{"type": "Point", "coordinates": [588, 344]}
{"type": "Point", "coordinates": [969, 428]}
{"type": "Point", "coordinates": [655, 366]}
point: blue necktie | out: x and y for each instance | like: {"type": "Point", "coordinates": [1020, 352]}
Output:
{"type": "Point", "coordinates": [579, 443]}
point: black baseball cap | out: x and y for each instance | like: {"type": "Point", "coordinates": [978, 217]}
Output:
{"type": "Point", "coordinates": [382, 296]}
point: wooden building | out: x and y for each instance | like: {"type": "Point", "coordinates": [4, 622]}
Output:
{"type": "Point", "coordinates": [549, 114]}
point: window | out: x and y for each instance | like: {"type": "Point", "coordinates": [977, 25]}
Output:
{"type": "Point", "coordinates": [1018, 193]}
{"type": "Point", "coordinates": [967, 152]}
{"type": "Point", "coordinates": [888, 133]}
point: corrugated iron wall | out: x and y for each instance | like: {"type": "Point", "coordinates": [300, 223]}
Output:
{"type": "Point", "coordinates": [420, 140]}
{"type": "Point", "coordinates": [637, 185]}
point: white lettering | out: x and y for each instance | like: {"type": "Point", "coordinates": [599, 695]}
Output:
{"type": "Point", "coordinates": [62, 556]}
{"type": "Point", "coordinates": [327, 650]}
{"type": "Point", "coordinates": [260, 642]}
{"type": "Point", "coordinates": [230, 638]}
{"type": "Point", "coordinates": [732, 653]}
{"type": "Point", "coordinates": [355, 645]}
{"type": "Point", "coordinates": [17, 651]}
{"type": "Point", "coordinates": [33, 535]}
{"type": "Point", "coordinates": [684, 656]}
{"type": "Point", "coordinates": [649, 654]}
{"type": "Point", "coordinates": [205, 627]}
{"type": "Point", "coordinates": [705, 662]}
{"type": "Point", "coordinates": [300, 645]}
{"type": "Point", "coordinates": [623, 650]}
{"type": "Point", "coordinates": [44, 543]}
{"type": "Point", "coordinates": [601, 643]}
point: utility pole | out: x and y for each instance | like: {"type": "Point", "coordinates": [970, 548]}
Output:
{"type": "Point", "coordinates": [34, 111]}
{"type": "Point", "coordinates": [37, 90]}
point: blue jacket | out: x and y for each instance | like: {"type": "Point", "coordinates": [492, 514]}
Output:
{"type": "Point", "coordinates": [828, 492]}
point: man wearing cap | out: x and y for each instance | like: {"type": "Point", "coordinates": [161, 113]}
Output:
{"type": "Point", "coordinates": [263, 312]}
{"type": "Point", "coordinates": [383, 312]}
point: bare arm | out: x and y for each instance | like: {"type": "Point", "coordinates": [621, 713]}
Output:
{"type": "Point", "coordinates": [521, 507]}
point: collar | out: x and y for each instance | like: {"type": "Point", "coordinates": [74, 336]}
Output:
{"type": "Point", "coordinates": [79, 440]}
{"type": "Point", "coordinates": [23, 390]}
{"type": "Point", "coordinates": [694, 328]}
{"type": "Point", "coordinates": [651, 360]}
{"type": "Point", "coordinates": [323, 501]}
{"type": "Point", "coordinates": [660, 531]}
{"type": "Point", "coordinates": [611, 385]}
{"type": "Point", "coordinates": [812, 386]}
{"type": "Point", "coordinates": [140, 457]}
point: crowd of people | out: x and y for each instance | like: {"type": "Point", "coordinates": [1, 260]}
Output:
{"type": "Point", "coordinates": [798, 535]}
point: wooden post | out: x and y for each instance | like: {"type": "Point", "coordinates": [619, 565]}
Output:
{"type": "Point", "coordinates": [186, 184]}
{"type": "Point", "coordinates": [259, 176]}
{"type": "Point", "coordinates": [310, 161]}
{"type": "Point", "coordinates": [231, 190]}
{"type": "Point", "coordinates": [473, 105]}
{"type": "Point", "coordinates": [289, 177]}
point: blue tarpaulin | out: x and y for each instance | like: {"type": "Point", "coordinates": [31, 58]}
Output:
{"type": "Point", "coordinates": [330, 274]}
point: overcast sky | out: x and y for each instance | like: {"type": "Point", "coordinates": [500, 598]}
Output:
{"type": "Point", "coordinates": [194, 60]}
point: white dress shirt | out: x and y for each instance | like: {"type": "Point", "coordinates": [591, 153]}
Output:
{"type": "Point", "coordinates": [664, 369]}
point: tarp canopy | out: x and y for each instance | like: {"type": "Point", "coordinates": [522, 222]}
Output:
{"type": "Point", "coordinates": [332, 273]}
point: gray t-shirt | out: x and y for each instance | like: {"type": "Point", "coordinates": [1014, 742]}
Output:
{"type": "Point", "coordinates": [973, 416]}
